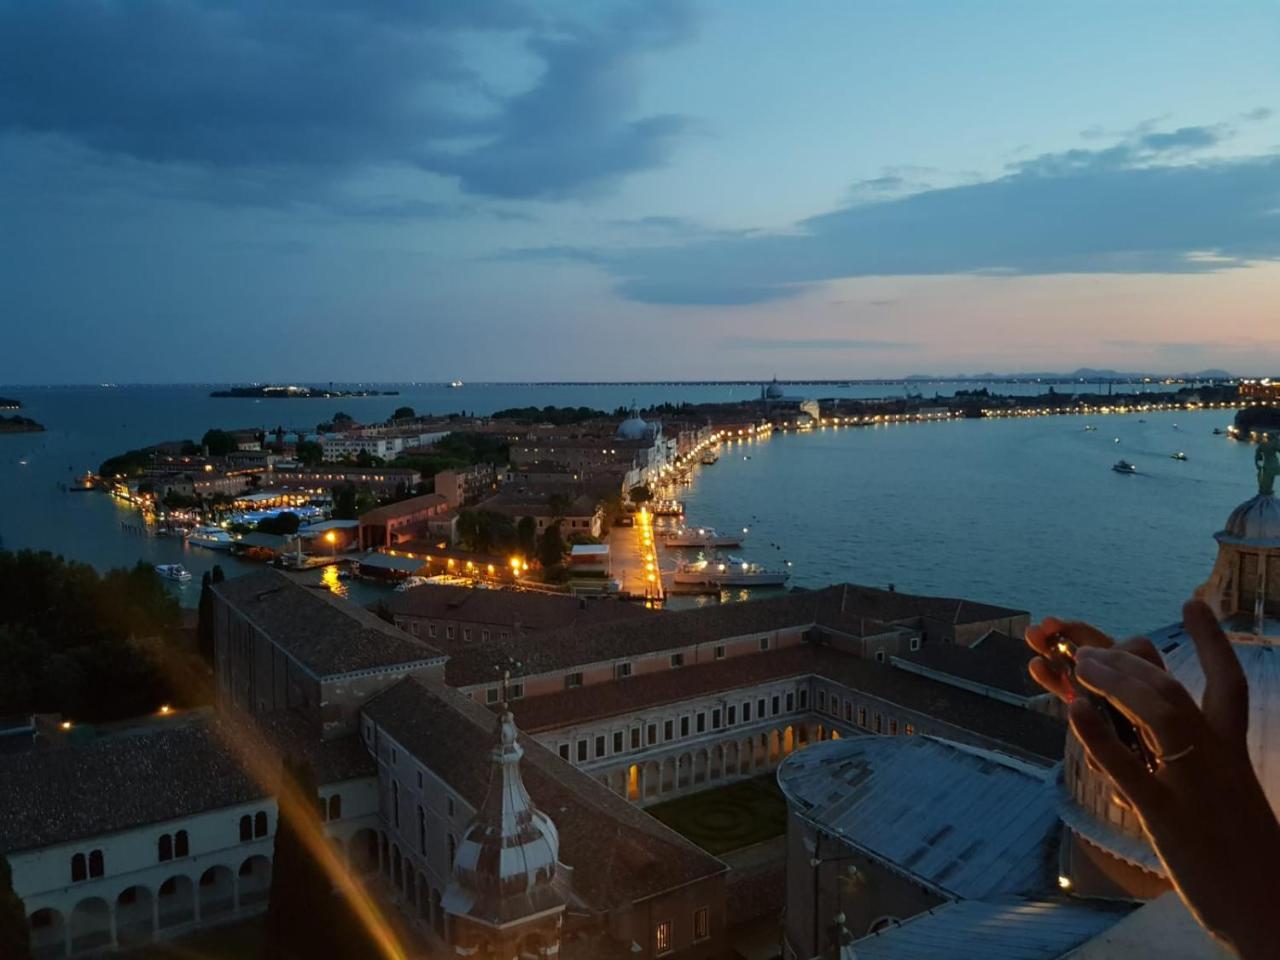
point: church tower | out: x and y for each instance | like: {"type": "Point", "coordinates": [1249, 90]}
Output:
{"type": "Point", "coordinates": [503, 901]}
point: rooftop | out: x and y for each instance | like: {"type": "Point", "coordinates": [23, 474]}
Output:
{"type": "Point", "coordinates": [1026, 730]}
{"type": "Point", "coordinates": [329, 636]}
{"type": "Point", "coordinates": [530, 610]}
{"type": "Point", "coordinates": [618, 853]}
{"type": "Point", "coordinates": [966, 822]}
{"type": "Point", "coordinates": [404, 508]}
{"type": "Point", "coordinates": [997, 660]}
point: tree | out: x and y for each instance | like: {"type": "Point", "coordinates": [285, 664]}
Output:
{"type": "Point", "coordinates": [299, 886]}
{"type": "Point", "coordinates": [527, 536]}
{"type": "Point", "coordinates": [219, 443]}
{"type": "Point", "coordinates": [344, 502]}
{"type": "Point", "coordinates": [403, 413]}
{"type": "Point", "coordinates": [284, 524]}
{"type": "Point", "coordinates": [218, 574]}
{"type": "Point", "coordinates": [366, 459]}
{"type": "Point", "coordinates": [204, 618]}
{"type": "Point", "coordinates": [15, 935]}
{"type": "Point", "coordinates": [309, 453]}
{"type": "Point", "coordinates": [641, 494]}
{"type": "Point", "coordinates": [551, 546]}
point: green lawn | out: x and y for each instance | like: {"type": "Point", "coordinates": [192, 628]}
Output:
{"type": "Point", "coordinates": [235, 941]}
{"type": "Point", "coordinates": [728, 818]}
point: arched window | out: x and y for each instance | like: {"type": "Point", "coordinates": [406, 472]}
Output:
{"type": "Point", "coordinates": [246, 828]}
{"type": "Point", "coordinates": [335, 807]}
{"type": "Point", "coordinates": [180, 848]}
{"type": "Point", "coordinates": [96, 865]}
{"type": "Point", "coordinates": [78, 870]}
{"type": "Point", "coordinates": [166, 847]}
{"type": "Point", "coordinates": [260, 824]}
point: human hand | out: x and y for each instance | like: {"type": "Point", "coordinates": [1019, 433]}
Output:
{"type": "Point", "coordinates": [1202, 807]}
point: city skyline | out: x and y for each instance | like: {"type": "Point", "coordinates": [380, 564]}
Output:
{"type": "Point", "coordinates": [358, 192]}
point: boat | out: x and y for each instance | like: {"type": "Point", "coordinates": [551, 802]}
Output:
{"type": "Point", "coordinates": [1090, 428]}
{"type": "Point", "coordinates": [1179, 455]}
{"type": "Point", "coordinates": [455, 384]}
{"type": "Point", "coordinates": [173, 571]}
{"type": "Point", "coordinates": [730, 572]}
{"type": "Point", "coordinates": [702, 537]}
{"type": "Point", "coordinates": [667, 508]}
{"type": "Point", "coordinates": [1217, 431]}
{"type": "Point", "coordinates": [409, 583]}
{"type": "Point", "coordinates": [1124, 466]}
{"type": "Point", "coordinates": [708, 458]}
{"type": "Point", "coordinates": [211, 538]}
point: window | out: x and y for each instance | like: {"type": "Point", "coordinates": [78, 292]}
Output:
{"type": "Point", "coordinates": [453, 850]}
{"type": "Point", "coordinates": [677, 660]}
{"type": "Point", "coordinates": [893, 727]}
{"type": "Point", "coordinates": [746, 712]}
{"type": "Point", "coordinates": [822, 700]}
{"type": "Point", "coordinates": [448, 805]}
{"type": "Point", "coordinates": [422, 831]}
{"type": "Point", "coordinates": [617, 741]}
{"type": "Point", "coordinates": [760, 714]}
{"type": "Point", "coordinates": [166, 848]}
{"type": "Point", "coordinates": [733, 715]}
{"type": "Point", "coordinates": [662, 937]}
{"type": "Point", "coordinates": [79, 871]}
{"type": "Point", "coordinates": [448, 631]}
{"type": "Point", "coordinates": [701, 923]}
{"type": "Point", "coordinates": [719, 651]}
{"type": "Point", "coordinates": [260, 824]}
{"type": "Point", "coordinates": [915, 643]}
{"type": "Point", "coordinates": [653, 734]}
{"type": "Point", "coordinates": [862, 717]}
{"type": "Point", "coordinates": [791, 701]}
{"type": "Point", "coordinates": [635, 738]}
{"type": "Point", "coordinates": [395, 802]}
{"type": "Point", "coordinates": [582, 751]}
{"type": "Point", "coordinates": [413, 627]}
{"type": "Point", "coordinates": [910, 729]}
{"type": "Point", "coordinates": [431, 630]}
{"type": "Point", "coordinates": [715, 719]}
{"type": "Point", "coordinates": [572, 680]}
{"type": "Point", "coordinates": [466, 634]}
{"type": "Point", "coordinates": [775, 705]}
{"type": "Point", "coordinates": [491, 695]}
{"type": "Point", "coordinates": [684, 726]}
{"type": "Point", "coordinates": [515, 691]}
{"type": "Point", "coordinates": [879, 656]}
{"type": "Point", "coordinates": [702, 723]}
{"type": "Point", "coordinates": [335, 804]}
{"type": "Point", "coordinates": [505, 635]}
{"type": "Point", "coordinates": [848, 711]}
{"type": "Point", "coordinates": [804, 699]}
{"type": "Point", "coordinates": [180, 845]}
{"type": "Point", "coordinates": [564, 751]}
{"type": "Point", "coordinates": [419, 781]}
{"type": "Point", "coordinates": [246, 828]}
{"type": "Point", "coordinates": [622, 670]}
{"type": "Point", "coordinates": [484, 636]}
{"type": "Point", "coordinates": [95, 864]}
{"type": "Point", "coordinates": [600, 746]}
{"type": "Point", "coordinates": [879, 721]}
{"type": "Point", "coordinates": [668, 729]}
{"type": "Point", "coordinates": [764, 643]}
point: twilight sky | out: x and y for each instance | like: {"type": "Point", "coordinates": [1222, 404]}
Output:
{"type": "Point", "coordinates": [427, 189]}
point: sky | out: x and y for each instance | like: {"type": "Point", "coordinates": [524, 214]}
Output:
{"type": "Point", "coordinates": [394, 190]}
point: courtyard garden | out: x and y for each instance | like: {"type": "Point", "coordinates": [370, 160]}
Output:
{"type": "Point", "coordinates": [728, 818]}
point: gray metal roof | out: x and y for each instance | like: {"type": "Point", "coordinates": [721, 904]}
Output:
{"type": "Point", "coordinates": [384, 561]}
{"type": "Point", "coordinates": [997, 930]}
{"type": "Point", "coordinates": [971, 823]}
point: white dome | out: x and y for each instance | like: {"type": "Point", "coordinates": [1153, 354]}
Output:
{"type": "Point", "coordinates": [633, 428]}
{"type": "Point", "coordinates": [1256, 522]}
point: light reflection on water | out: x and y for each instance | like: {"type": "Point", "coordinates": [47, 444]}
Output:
{"type": "Point", "coordinates": [329, 578]}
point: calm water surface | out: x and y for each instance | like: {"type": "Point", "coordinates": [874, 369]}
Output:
{"type": "Point", "coordinates": [1024, 512]}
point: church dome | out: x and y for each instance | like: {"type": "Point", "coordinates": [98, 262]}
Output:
{"type": "Point", "coordinates": [633, 428]}
{"type": "Point", "coordinates": [774, 390]}
{"type": "Point", "coordinates": [1256, 522]}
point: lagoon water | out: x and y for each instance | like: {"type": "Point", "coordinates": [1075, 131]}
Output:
{"type": "Point", "coordinates": [1025, 511]}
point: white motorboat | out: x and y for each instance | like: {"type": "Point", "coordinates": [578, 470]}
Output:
{"type": "Point", "coordinates": [1124, 466]}
{"type": "Point", "coordinates": [704, 538]}
{"type": "Point", "coordinates": [1179, 455]}
{"type": "Point", "coordinates": [173, 571]}
{"type": "Point", "coordinates": [211, 538]}
{"type": "Point", "coordinates": [730, 572]}
{"type": "Point", "coordinates": [455, 384]}
{"type": "Point", "coordinates": [408, 583]}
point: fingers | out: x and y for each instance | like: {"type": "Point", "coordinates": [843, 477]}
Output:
{"type": "Point", "coordinates": [1101, 744]}
{"type": "Point", "coordinates": [1226, 692]}
{"type": "Point", "coordinates": [1144, 693]}
{"type": "Point", "coordinates": [1144, 648]}
{"type": "Point", "coordinates": [1052, 678]}
{"type": "Point", "coordinates": [1039, 636]}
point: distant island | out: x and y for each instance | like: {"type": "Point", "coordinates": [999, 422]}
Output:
{"type": "Point", "coordinates": [7, 404]}
{"type": "Point", "coordinates": [19, 425]}
{"type": "Point", "coordinates": [274, 392]}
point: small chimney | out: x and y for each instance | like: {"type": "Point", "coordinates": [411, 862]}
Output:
{"type": "Point", "coordinates": [892, 589]}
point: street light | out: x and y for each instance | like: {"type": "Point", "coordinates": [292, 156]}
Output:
{"type": "Point", "coordinates": [332, 538]}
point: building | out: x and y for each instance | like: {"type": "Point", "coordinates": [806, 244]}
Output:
{"type": "Point", "coordinates": [396, 522]}
{"type": "Point", "coordinates": [582, 514]}
{"type": "Point", "coordinates": [467, 485]}
{"type": "Point", "coordinates": [1266, 390]}
{"type": "Point", "coordinates": [380, 481]}
{"type": "Point", "coordinates": [455, 616]}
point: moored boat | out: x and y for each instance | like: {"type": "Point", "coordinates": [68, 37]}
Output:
{"type": "Point", "coordinates": [173, 571]}
{"type": "Point", "coordinates": [1179, 456]}
{"type": "Point", "coordinates": [702, 537]}
{"type": "Point", "coordinates": [1124, 466]}
{"type": "Point", "coordinates": [211, 538]}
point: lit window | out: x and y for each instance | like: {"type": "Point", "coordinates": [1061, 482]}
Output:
{"type": "Point", "coordinates": [910, 729]}
{"type": "Point", "coordinates": [662, 938]}
{"type": "Point", "coordinates": [701, 923]}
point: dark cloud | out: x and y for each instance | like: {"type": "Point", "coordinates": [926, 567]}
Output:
{"type": "Point", "coordinates": [1184, 138]}
{"type": "Point", "coordinates": [1258, 114]}
{"type": "Point", "coordinates": [1115, 210]}
{"type": "Point", "coordinates": [315, 92]}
